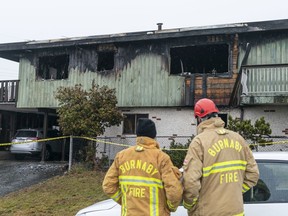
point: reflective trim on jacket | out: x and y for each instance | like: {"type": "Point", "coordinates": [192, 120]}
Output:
{"type": "Point", "coordinates": [218, 167]}
{"type": "Point", "coordinates": [224, 167]}
{"type": "Point", "coordinates": [144, 181]}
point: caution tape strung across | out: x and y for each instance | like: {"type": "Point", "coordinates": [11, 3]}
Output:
{"type": "Point", "coordinates": [103, 141]}
{"type": "Point", "coordinates": [124, 145]}
{"type": "Point", "coordinates": [30, 141]}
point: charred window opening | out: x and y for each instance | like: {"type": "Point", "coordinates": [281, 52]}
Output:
{"type": "Point", "coordinates": [200, 59]}
{"type": "Point", "coordinates": [53, 67]}
{"type": "Point", "coordinates": [105, 61]}
{"type": "Point", "coordinates": [130, 122]}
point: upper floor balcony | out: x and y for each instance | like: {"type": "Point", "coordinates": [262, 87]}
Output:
{"type": "Point", "coordinates": [8, 91]}
{"type": "Point", "coordinates": [265, 84]}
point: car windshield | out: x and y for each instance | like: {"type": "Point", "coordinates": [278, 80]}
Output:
{"type": "Point", "coordinates": [272, 185]}
{"type": "Point", "coordinates": [26, 134]}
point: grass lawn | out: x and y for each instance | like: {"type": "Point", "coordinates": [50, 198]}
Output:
{"type": "Point", "coordinates": [61, 195]}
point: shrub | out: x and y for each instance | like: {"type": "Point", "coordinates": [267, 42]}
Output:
{"type": "Point", "coordinates": [178, 151]}
{"type": "Point", "coordinates": [259, 133]}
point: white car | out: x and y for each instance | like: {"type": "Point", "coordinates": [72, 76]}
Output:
{"type": "Point", "coordinates": [30, 143]}
{"type": "Point", "coordinates": [268, 197]}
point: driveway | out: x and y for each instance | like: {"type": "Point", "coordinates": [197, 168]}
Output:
{"type": "Point", "coordinates": [15, 175]}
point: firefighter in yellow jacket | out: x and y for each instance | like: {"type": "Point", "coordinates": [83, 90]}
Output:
{"type": "Point", "coordinates": [142, 178]}
{"type": "Point", "coordinates": [218, 168]}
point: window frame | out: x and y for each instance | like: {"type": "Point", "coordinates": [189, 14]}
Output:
{"type": "Point", "coordinates": [134, 124]}
{"type": "Point", "coordinates": [47, 62]}
{"type": "Point", "coordinates": [211, 72]}
{"type": "Point", "coordinates": [102, 66]}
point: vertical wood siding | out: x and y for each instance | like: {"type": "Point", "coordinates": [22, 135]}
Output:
{"type": "Point", "coordinates": [271, 50]}
{"type": "Point", "coordinates": [142, 82]}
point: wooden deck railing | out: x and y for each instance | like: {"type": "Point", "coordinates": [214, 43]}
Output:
{"type": "Point", "coordinates": [8, 90]}
{"type": "Point", "coordinates": [265, 80]}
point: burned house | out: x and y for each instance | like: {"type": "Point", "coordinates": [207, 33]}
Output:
{"type": "Point", "coordinates": [161, 73]}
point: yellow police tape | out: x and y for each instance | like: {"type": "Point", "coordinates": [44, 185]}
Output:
{"type": "Point", "coordinates": [103, 141]}
{"type": "Point", "coordinates": [40, 140]}
{"type": "Point", "coordinates": [124, 145]}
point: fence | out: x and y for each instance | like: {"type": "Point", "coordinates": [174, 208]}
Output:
{"type": "Point", "coordinates": [110, 146]}
{"type": "Point", "coordinates": [8, 90]}
{"type": "Point", "coordinates": [274, 143]}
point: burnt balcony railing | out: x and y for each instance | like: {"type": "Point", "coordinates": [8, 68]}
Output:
{"type": "Point", "coordinates": [264, 84]}
{"type": "Point", "coordinates": [8, 91]}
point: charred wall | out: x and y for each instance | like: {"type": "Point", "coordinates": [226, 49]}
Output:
{"type": "Point", "coordinates": [127, 65]}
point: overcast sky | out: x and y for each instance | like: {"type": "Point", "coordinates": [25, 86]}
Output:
{"type": "Point", "coordinates": [51, 19]}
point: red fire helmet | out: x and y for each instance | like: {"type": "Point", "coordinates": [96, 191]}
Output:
{"type": "Point", "coordinates": [204, 107]}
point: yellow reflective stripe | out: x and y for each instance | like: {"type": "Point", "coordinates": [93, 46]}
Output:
{"type": "Point", "coordinates": [186, 205]}
{"type": "Point", "coordinates": [224, 169]}
{"type": "Point", "coordinates": [156, 194]}
{"type": "Point", "coordinates": [117, 195]}
{"type": "Point", "coordinates": [171, 206]}
{"type": "Point", "coordinates": [194, 201]}
{"type": "Point", "coordinates": [124, 201]}
{"type": "Point", "coordinates": [224, 166]}
{"type": "Point", "coordinates": [241, 214]}
{"type": "Point", "coordinates": [189, 206]}
{"type": "Point", "coordinates": [245, 188]}
{"type": "Point", "coordinates": [141, 181]}
{"type": "Point", "coordinates": [153, 184]}
{"type": "Point", "coordinates": [154, 201]}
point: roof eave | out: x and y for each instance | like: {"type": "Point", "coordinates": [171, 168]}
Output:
{"type": "Point", "coordinates": [147, 35]}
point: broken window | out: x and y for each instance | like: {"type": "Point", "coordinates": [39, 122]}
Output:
{"type": "Point", "coordinates": [130, 122]}
{"type": "Point", "coordinates": [202, 59]}
{"type": "Point", "coordinates": [53, 67]}
{"type": "Point", "coordinates": [105, 61]}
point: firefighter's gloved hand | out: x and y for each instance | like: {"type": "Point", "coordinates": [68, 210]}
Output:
{"type": "Point", "coordinates": [176, 172]}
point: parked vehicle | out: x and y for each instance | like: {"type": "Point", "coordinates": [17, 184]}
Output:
{"type": "Point", "coordinates": [30, 143]}
{"type": "Point", "coordinates": [268, 197]}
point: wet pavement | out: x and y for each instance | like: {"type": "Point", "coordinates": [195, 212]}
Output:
{"type": "Point", "coordinates": [15, 175]}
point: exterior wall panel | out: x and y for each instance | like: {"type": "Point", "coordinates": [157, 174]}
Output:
{"type": "Point", "coordinates": [271, 50]}
{"type": "Point", "coordinates": [142, 82]}
{"type": "Point", "coordinates": [266, 70]}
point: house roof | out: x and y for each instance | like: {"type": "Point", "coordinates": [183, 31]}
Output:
{"type": "Point", "coordinates": [11, 107]}
{"type": "Point", "coordinates": [12, 51]}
